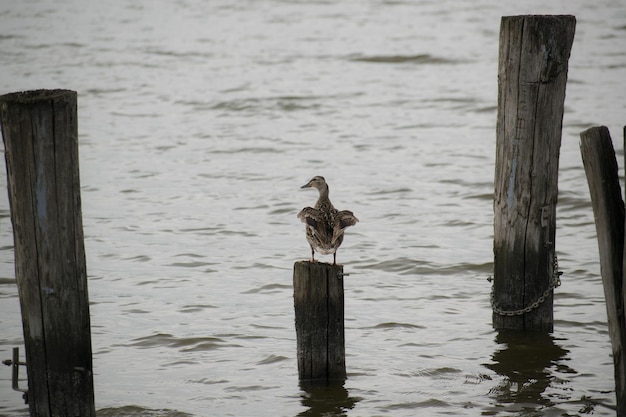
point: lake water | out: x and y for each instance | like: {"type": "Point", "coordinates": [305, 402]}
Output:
{"type": "Point", "coordinates": [200, 120]}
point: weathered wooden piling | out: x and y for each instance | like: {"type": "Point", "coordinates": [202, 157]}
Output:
{"type": "Point", "coordinates": [319, 310]}
{"type": "Point", "coordinates": [601, 169]}
{"type": "Point", "coordinates": [533, 61]}
{"type": "Point", "coordinates": [40, 133]}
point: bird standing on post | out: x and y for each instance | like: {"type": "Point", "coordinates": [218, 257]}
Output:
{"type": "Point", "coordinates": [324, 223]}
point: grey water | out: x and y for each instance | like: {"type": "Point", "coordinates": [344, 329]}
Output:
{"type": "Point", "coordinates": [198, 123]}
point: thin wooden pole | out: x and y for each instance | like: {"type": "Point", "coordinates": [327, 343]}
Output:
{"type": "Point", "coordinates": [601, 169]}
{"type": "Point", "coordinates": [40, 133]}
{"type": "Point", "coordinates": [319, 310]}
{"type": "Point", "coordinates": [533, 61]}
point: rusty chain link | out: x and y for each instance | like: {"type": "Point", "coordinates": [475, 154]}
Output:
{"type": "Point", "coordinates": [556, 281]}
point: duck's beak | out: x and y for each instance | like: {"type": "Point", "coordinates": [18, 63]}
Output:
{"type": "Point", "coordinates": [307, 185]}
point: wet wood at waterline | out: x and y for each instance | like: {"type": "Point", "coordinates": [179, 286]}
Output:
{"type": "Point", "coordinates": [40, 133]}
{"type": "Point", "coordinates": [319, 311]}
{"type": "Point", "coordinates": [532, 74]}
{"type": "Point", "coordinates": [600, 164]}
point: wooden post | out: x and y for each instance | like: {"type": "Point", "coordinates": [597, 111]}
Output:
{"type": "Point", "coordinates": [532, 73]}
{"type": "Point", "coordinates": [601, 169]}
{"type": "Point", "coordinates": [319, 308]}
{"type": "Point", "coordinates": [40, 135]}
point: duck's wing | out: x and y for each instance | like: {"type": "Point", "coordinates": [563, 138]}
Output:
{"type": "Point", "coordinates": [346, 218]}
{"type": "Point", "coordinates": [310, 216]}
{"type": "Point", "coordinates": [343, 219]}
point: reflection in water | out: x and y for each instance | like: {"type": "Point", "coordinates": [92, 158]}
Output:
{"type": "Point", "coordinates": [526, 361]}
{"type": "Point", "coordinates": [135, 411]}
{"type": "Point", "coordinates": [326, 399]}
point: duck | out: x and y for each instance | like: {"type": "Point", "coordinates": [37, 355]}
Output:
{"type": "Point", "coordinates": [325, 224]}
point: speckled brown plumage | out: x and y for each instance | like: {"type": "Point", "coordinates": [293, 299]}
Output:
{"type": "Point", "coordinates": [324, 223]}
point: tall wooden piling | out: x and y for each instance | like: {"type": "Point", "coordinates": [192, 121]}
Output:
{"type": "Point", "coordinates": [533, 61]}
{"type": "Point", "coordinates": [40, 133]}
{"type": "Point", "coordinates": [601, 169]}
{"type": "Point", "coordinates": [319, 309]}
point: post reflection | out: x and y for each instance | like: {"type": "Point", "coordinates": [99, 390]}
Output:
{"type": "Point", "coordinates": [528, 361]}
{"type": "Point", "coordinates": [325, 398]}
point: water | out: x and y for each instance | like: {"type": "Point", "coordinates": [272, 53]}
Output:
{"type": "Point", "coordinates": [198, 123]}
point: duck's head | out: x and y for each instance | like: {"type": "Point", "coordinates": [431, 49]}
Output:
{"type": "Point", "coordinates": [317, 182]}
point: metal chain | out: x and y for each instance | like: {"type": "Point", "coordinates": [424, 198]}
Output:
{"type": "Point", "coordinates": [556, 281]}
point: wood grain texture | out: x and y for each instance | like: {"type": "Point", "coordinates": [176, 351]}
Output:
{"type": "Point", "coordinates": [319, 312]}
{"type": "Point", "coordinates": [533, 61]}
{"type": "Point", "coordinates": [601, 169]}
{"type": "Point", "coordinates": [40, 133]}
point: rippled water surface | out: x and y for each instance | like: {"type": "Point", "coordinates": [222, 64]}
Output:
{"type": "Point", "coordinates": [198, 123]}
